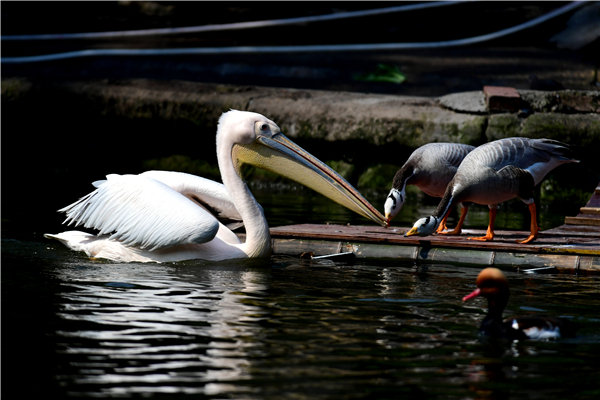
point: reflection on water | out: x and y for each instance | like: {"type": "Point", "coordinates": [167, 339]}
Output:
{"type": "Point", "coordinates": [155, 328]}
{"type": "Point", "coordinates": [283, 328]}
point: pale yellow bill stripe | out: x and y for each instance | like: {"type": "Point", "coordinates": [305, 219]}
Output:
{"type": "Point", "coordinates": [282, 156]}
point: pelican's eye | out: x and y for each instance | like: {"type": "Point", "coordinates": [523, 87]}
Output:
{"type": "Point", "coordinates": [264, 127]}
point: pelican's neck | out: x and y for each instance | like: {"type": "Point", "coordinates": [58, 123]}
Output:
{"type": "Point", "coordinates": [258, 237]}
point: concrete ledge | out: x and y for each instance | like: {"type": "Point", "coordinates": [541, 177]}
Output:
{"type": "Point", "coordinates": [337, 116]}
{"type": "Point", "coordinates": [368, 136]}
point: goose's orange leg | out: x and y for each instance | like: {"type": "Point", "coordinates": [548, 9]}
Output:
{"type": "Point", "coordinates": [442, 226]}
{"type": "Point", "coordinates": [489, 236]}
{"type": "Point", "coordinates": [458, 229]}
{"type": "Point", "coordinates": [534, 226]}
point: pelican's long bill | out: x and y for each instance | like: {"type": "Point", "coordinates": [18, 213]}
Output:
{"type": "Point", "coordinates": [280, 155]}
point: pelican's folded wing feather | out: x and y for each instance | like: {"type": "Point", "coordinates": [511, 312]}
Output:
{"type": "Point", "coordinates": [140, 211]}
{"type": "Point", "coordinates": [209, 194]}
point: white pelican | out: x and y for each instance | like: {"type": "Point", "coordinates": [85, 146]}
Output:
{"type": "Point", "coordinates": [495, 172]}
{"type": "Point", "coordinates": [430, 168]}
{"type": "Point", "coordinates": [163, 216]}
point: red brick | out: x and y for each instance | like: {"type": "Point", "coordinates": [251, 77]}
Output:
{"type": "Point", "coordinates": [500, 98]}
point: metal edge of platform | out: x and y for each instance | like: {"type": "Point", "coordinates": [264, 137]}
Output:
{"type": "Point", "coordinates": [575, 263]}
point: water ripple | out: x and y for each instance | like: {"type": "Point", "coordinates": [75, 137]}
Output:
{"type": "Point", "coordinates": [296, 329]}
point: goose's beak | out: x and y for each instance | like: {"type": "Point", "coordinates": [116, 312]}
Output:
{"type": "Point", "coordinates": [278, 154]}
{"type": "Point", "coordinates": [412, 232]}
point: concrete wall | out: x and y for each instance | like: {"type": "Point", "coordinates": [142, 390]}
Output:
{"type": "Point", "coordinates": [149, 120]}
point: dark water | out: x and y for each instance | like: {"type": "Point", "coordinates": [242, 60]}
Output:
{"type": "Point", "coordinates": [283, 328]}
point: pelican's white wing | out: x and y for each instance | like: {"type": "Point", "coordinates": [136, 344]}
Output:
{"type": "Point", "coordinates": [140, 211]}
{"type": "Point", "coordinates": [209, 194]}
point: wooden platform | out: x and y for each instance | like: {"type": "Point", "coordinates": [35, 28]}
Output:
{"type": "Point", "coordinates": [573, 253]}
{"type": "Point", "coordinates": [588, 218]}
{"type": "Point", "coordinates": [572, 247]}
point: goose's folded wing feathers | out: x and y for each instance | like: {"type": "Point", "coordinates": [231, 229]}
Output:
{"type": "Point", "coordinates": [208, 194]}
{"type": "Point", "coordinates": [538, 156]}
{"type": "Point", "coordinates": [141, 211]}
{"type": "Point", "coordinates": [454, 152]}
{"type": "Point", "coordinates": [440, 155]}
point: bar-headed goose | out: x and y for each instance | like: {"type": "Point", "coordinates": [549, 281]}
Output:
{"type": "Point", "coordinates": [430, 168]}
{"type": "Point", "coordinates": [496, 172]}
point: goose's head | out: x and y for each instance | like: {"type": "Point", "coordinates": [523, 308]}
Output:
{"type": "Point", "coordinates": [424, 226]}
{"type": "Point", "coordinates": [393, 204]}
{"type": "Point", "coordinates": [250, 138]}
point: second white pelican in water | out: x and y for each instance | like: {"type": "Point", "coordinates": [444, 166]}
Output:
{"type": "Point", "coordinates": [164, 216]}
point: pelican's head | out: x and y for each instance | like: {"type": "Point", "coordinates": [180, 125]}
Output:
{"type": "Point", "coordinates": [424, 226]}
{"type": "Point", "coordinates": [244, 127]}
{"type": "Point", "coordinates": [393, 204]}
{"type": "Point", "coordinates": [258, 141]}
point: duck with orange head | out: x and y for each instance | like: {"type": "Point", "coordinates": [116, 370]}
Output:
{"type": "Point", "coordinates": [493, 285]}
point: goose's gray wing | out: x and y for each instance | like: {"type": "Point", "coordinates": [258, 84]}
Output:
{"type": "Point", "coordinates": [537, 156]}
{"type": "Point", "coordinates": [432, 166]}
{"type": "Point", "coordinates": [440, 155]}
{"type": "Point", "coordinates": [454, 153]}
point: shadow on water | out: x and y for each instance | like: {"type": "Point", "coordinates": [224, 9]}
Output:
{"type": "Point", "coordinates": [280, 328]}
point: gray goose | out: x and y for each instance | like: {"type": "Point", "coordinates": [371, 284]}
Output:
{"type": "Point", "coordinates": [496, 172]}
{"type": "Point", "coordinates": [430, 168]}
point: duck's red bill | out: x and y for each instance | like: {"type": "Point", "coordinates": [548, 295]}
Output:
{"type": "Point", "coordinates": [475, 293]}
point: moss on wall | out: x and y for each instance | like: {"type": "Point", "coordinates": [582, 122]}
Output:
{"type": "Point", "coordinates": [502, 126]}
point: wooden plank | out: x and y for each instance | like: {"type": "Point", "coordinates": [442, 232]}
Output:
{"type": "Point", "coordinates": [504, 240]}
{"type": "Point", "coordinates": [574, 231]}
{"type": "Point", "coordinates": [589, 219]}
{"type": "Point", "coordinates": [588, 216]}
{"type": "Point", "coordinates": [590, 210]}
{"type": "Point", "coordinates": [579, 249]}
